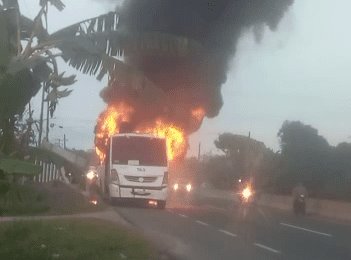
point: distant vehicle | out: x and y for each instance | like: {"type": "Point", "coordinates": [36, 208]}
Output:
{"type": "Point", "coordinates": [182, 186]}
{"type": "Point", "coordinates": [300, 205]}
{"type": "Point", "coordinates": [136, 168]}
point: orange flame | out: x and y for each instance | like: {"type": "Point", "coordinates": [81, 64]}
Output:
{"type": "Point", "coordinates": [100, 154]}
{"type": "Point", "coordinates": [175, 138]}
{"type": "Point", "coordinates": [113, 116]}
{"type": "Point", "coordinates": [109, 124]}
{"type": "Point", "coordinates": [198, 113]}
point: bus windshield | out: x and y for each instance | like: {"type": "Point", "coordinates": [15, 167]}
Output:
{"type": "Point", "coordinates": [145, 151]}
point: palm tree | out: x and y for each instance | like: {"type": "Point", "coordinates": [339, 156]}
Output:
{"type": "Point", "coordinates": [93, 46]}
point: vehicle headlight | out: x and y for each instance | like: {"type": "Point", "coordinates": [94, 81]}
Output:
{"type": "Point", "coordinates": [246, 193]}
{"type": "Point", "coordinates": [90, 175]}
{"type": "Point", "coordinates": [188, 187]}
{"type": "Point", "coordinates": [175, 186]}
{"type": "Point", "coordinates": [114, 176]}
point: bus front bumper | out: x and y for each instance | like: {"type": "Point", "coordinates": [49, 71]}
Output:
{"type": "Point", "coordinates": [155, 193]}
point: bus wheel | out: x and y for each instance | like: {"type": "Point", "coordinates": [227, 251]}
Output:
{"type": "Point", "coordinates": [161, 204]}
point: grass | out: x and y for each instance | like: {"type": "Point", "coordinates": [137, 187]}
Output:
{"type": "Point", "coordinates": [45, 199]}
{"type": "Point", "coordinates": [70, 239]}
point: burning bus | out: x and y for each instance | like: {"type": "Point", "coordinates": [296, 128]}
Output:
{"type": "Point", "coordinates": [134, 160]}
{"type": "Point", "coordinates": [136, 168]}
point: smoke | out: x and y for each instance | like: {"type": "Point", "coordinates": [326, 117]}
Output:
{"type": "Point", "coordinates": [192, 81]}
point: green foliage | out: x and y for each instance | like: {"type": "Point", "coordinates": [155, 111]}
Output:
{"type": "Point", "coordinates": [15, 93]}
{"type": "Point", "coordinates": [22, 200]}
{"type": "Point", "coordinates": [18, 167]}
{"type": "Point", "coordinates": [90, 46]}
{"type": "Point", "coordinates": [71, 239]}
{"type": "Point", "coordinates": [4, 187]}
{"type": "Point", "coordinates": [245, 155]}
{"type": "Point", "coordinates": [307, 157]}
{"type": "Point", "coordinates": [6, 47]}
{"type": "Point", "coordinates": [218, 172]}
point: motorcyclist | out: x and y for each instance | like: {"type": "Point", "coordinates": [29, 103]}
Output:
{"type": "Point", "coordinates": [300, 195]}
{"type": "Point", "coordinates": [299, 190]}
{"type": "Point", "coordinates": [244, 185]}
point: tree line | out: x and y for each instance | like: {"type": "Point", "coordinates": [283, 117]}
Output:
{"type": "Point", "coordinates": [304, 157]}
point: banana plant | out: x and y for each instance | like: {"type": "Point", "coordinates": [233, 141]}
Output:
{"type": "Point", "coordinates": [95, 46]}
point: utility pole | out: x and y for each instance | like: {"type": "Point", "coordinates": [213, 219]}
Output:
{"type": "Point", "coordinates": [248, 156]}
{"type": "Point", "coordinates": [47, 121]}
{"type": "Point", "coordinates": [199, 152]}
{"type": "Point", "coordinates": [64, 141]}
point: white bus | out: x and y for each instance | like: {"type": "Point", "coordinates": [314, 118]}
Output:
{"type": "Point", "coordinates": [136, 167]}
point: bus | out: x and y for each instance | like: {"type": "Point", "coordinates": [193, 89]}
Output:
{"type": "Point", "coordinates": [135, 168]}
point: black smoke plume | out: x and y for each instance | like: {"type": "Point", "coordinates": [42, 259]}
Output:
{"type": "Point", "coordinates": [185, 83]}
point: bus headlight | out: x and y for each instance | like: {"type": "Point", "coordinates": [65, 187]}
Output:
{"type": "Point", "coordinates": [114, 176]}
{"type": "Point", "coordinates": [188, 187]}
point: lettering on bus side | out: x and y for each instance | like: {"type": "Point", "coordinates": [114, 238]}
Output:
{"type": "Point", "coordinates": [141, 169]}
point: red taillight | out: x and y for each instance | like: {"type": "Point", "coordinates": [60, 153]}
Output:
{"type": "Point", "coordinates": [165, 178]}
{"type": "Point", "coordinates": [114, 176]}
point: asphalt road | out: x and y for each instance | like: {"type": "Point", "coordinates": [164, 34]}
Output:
{"type": "Point", "coordinates": [213, 230]}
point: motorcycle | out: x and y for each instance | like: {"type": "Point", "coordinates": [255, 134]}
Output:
{"type": "Point", "coordinates": [245, 211]}
{"type": "Point", "coordinates": [245, 192]}
{"type": "Point", "coordinates": [92, 186]}
{"type": "Point", "coordinates": [300, 205]}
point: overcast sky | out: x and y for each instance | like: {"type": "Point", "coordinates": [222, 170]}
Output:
{"type": "Point", "coordinates": [301, 72]}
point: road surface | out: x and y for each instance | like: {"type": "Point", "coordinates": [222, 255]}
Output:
{"type": "Point", "coordinates": [212, 230]}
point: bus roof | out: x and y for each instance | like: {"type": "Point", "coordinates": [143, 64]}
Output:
{"type": "Point", "coordinates": [137, 135]}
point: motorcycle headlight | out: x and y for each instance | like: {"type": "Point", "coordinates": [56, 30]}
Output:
{"type": "Point", "coordinates": [246, 193]}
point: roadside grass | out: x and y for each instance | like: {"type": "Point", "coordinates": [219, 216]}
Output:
{"type": "Point", "coordinates": [45, 199]}
{"type": "Point", "coordinates": [71, 239]}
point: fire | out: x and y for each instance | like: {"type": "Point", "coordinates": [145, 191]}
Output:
{"type": "Point", "coordinates": [110, 120]}
{"type": "Point", "coordinates": [198, 113]}
{"type": "Point", "coordinates": [175, 138]}
{"type": "Point", "coordinates": [100, 154]}
{"type": "Point", "coordinates": [109, 123]}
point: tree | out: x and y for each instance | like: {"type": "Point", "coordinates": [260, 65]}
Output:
{"type": "Point", "coordinates": [247, 158]}
{"type": "Point", "coordinates": [29, 52]}
{"type": "Point", "coordinates": [244, 154]}
{"type": "Point", "coordinates": [24, 68]}
{"type": "Point", "coordinates": [305, 156]}
{"type": "Point", "coordinates": [339, 181]}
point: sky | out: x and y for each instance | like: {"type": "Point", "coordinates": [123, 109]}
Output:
{"type": "Point", "coordinates": [301, 71]}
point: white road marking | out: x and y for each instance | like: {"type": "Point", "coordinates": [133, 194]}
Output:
{"type": "Point", "coordinates": [123, 256]}
{"type": "Point", "coordinates": [183, 216]}
{"type": "Point", "coordinates": [227, 233]}
{"type": "Point", "coordinates": [267, 248]}
{"type": "Point", "coordinates": [306, 229]}
{"type": "Point", "coordinates": [201, 223]}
